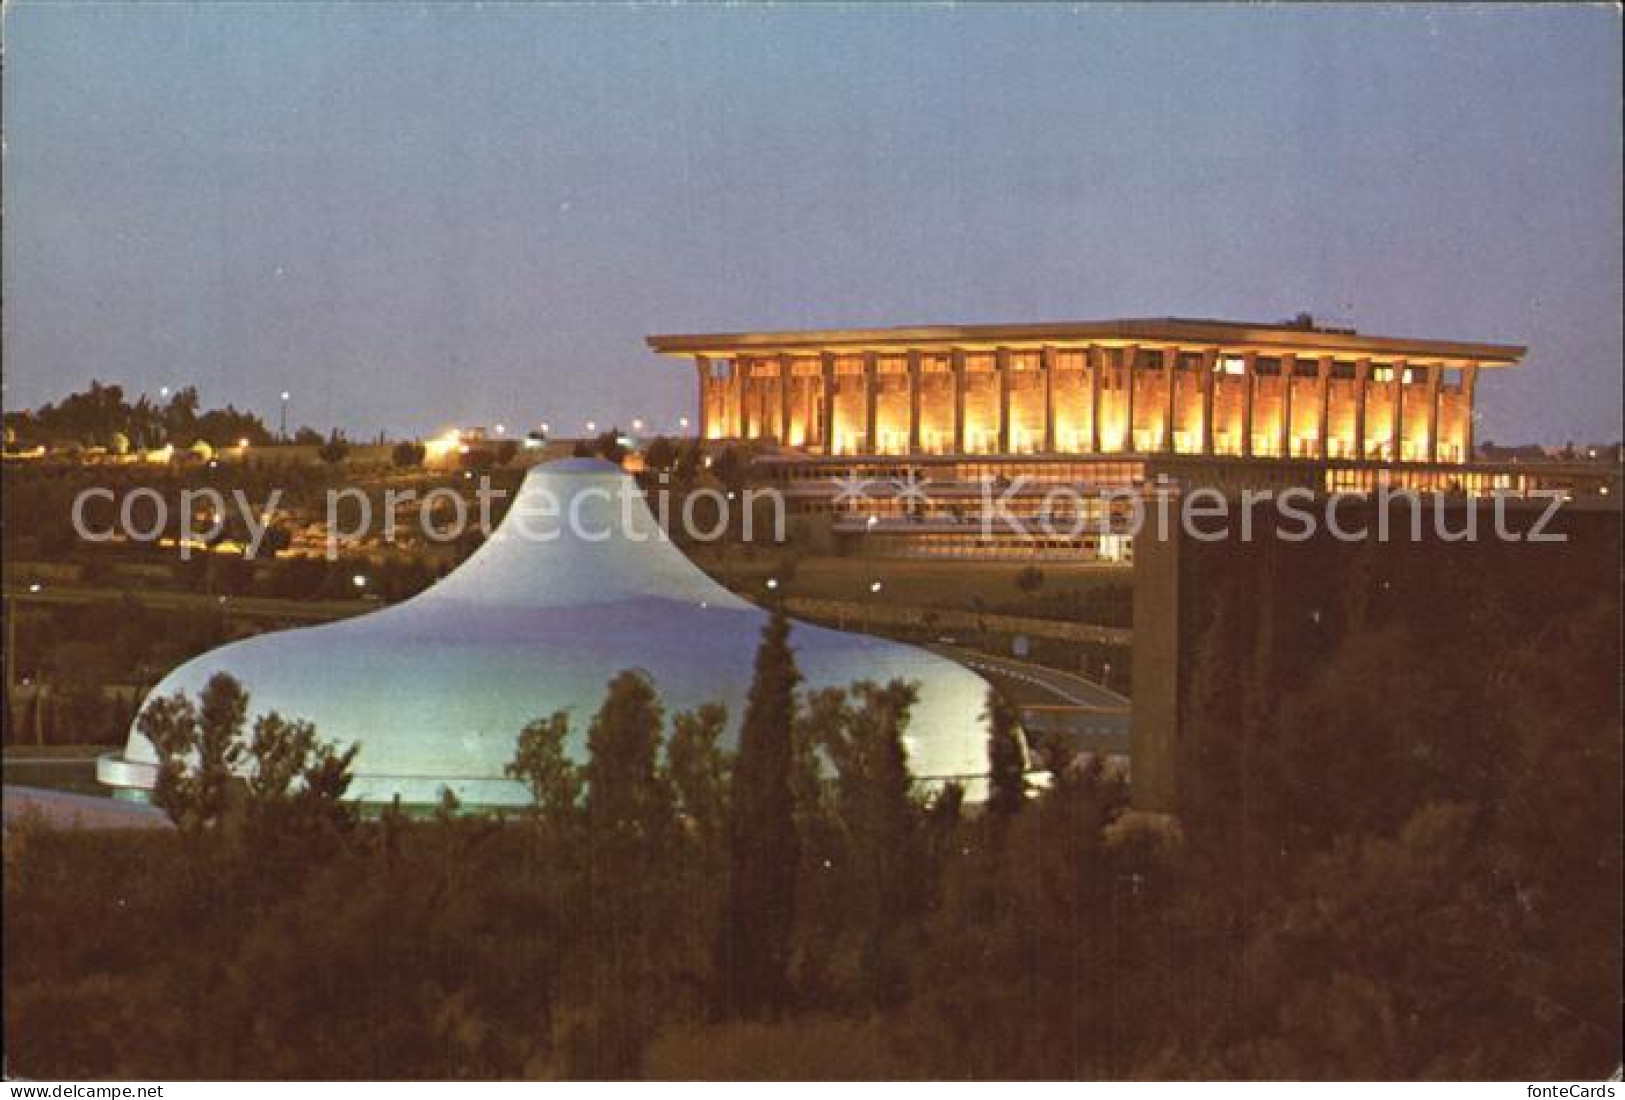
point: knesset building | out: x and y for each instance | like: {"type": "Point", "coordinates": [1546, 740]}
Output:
{"type": "Point", "coordinates": [1103, 404]}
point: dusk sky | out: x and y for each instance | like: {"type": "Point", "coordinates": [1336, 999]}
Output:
{"type": "Point", "coordinates": [419, 216]}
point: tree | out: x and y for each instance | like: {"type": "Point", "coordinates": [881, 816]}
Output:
{"type": "Point", "coordinates": [753, 947]}
{"type": "Point", "coordinates": [543, 763]}
{"type": "Point", "coordinates": [1006, 760]}
{"type": "Point", "coordinates": [661, 453]}
{"type": "Point", "coordinates": [335, 450]}
{"type": "Point", "coordinates": [408, 454]}
{"type": "Point", "coordinates": [698, 771]}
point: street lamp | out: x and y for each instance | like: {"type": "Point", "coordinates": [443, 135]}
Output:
{"type": "Point", "coordinates": [283, 426]}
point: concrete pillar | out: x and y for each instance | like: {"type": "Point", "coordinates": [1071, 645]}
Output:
{"type": "Point", "coordinates": [1323, 394]}
{"type": "Point", "coordinates": [1130, 355]}
{"type": "Point", "coordinates": [702, 366]}
{"type": "Point", "coordinates": [1362, 382]}
{"type": "Point", "coordinates": [785, 372]}
{"type": "Point", "coordinates": [914, 384]}
{"type": "Point", "coordinates": [1289, 367]}
{"type": "Point", "coordinates": [826, 398]}
{"type": "Point", "coordinates": [1209, 358]}
{"type": "Point", "coordinates": [1046, 363]}
{"type": "Point", "coordinates": [956, 365]}
{"type": "Point", "coordinates": [871, 395]}
{"type": "Point", "coordinates": [1097, 363]}
{"type": "Point", "coordinates": [1434, 373]}
{"type": "Point", "coordinates": [1469, 384]}
{"type": "Point", "coordinates": [1398, 445]}
{"type": "Point", "coordinates": [1249, 379]}
{"type": "Point", "coordinates": [1170, 373]}
{"type": "Point", "coordinates": [1001, 377]}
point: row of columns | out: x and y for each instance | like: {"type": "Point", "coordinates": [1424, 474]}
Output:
{"type": "Point", "coordinates": [1097, 364]}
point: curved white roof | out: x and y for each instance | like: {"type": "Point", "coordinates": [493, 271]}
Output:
{"type": "Point", "coordinates": [576, 584]}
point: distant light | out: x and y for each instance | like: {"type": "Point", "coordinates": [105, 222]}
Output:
{"type": "Point", "coordinates": [359, 580]}
{"type": "Point", "coordinates": [682, 422]}
{"type": "Point", "coordinates": [286, 395]}
{"type": "Point", "coordinates": [730, 494]}
{"type": "Point", "coordinates": [592, 425]}
{"type": "Point", "coordinates": [772, 582]}
{"type": "Point", "coordinates": [545, 428]}
{"type": "Point", "coordinates": [468, 475]}
{"type": "Point", "coordinates": [875, 586]}
{"type": "Point", "coordinates": [463, 449]}
{"type": "Point", "coordinates": [871, 521]}
{"type": "Point", "coordinates": [163, 391]}
{"type": "Point", "coordinates": [637, 424]}
{"type": "Point", "coordinates": [243, 443]}
{"type": "Point", "coordinates": [502, 429]}
{"type": "Point", "coordinates": [1603, 489]}
{"type": "Point", "coordinates": [213, 463]}
{"type": "Point", "coordinates": [34, 587]}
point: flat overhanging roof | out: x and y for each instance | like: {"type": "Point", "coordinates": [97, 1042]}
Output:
{"type": "Point", "coordinates": [1164, 331]}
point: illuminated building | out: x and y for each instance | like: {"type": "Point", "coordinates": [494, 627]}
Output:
{"type": "Point", "coordinates": [1103, 404]}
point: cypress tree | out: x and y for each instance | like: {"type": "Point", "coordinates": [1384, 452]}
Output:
{"type": "Point", "coordinates": [753, 946]}
{"type": "Point", "coordinates": [1006, 762]}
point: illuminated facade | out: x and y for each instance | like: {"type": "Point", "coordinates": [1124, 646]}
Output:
{"type": "Point", "coordinates": [1092, 406]}
{"type": "Point", "coordinates": [1094, 388]}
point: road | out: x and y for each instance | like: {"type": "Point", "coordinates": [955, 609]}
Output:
{"type": "Point", "coordinates": [1095, 717]}
{"type": "Point", "coordinates": [158, 599]}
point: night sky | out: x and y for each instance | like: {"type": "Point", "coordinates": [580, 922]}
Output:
{"type": "Point", "coordinates": [413, 217]}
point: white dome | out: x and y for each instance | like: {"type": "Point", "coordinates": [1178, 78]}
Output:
{"type": "Point", "coordinates": [577, 583]}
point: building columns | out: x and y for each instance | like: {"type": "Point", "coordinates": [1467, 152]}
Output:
{"type": "Point", "coordinates": [1434, 373]}
{"type": "Point", "coordinates": [1001, 376]}
{"type": "Point", "coordinates": [785, 370]}
{"type": "Point", "coordinates": [871, 396]}
{"type": "Point", "coordinates": [702, 366]}
{"type": "Point", "coordinates": [1323, 419]}
{"type": "Point", "coordinates": [1289, 369]}
{"type": "Point", "coordinates": [915, 380]}
{"type": "Point", "coordinates": [1209, 359]}
{"type": "Point", "coordinates": [826, 400]}
{"type": "Point", "coordinates": [1469, 383]}
{"type": "Point", "coordinates": [1362, 379]}
{"type": "Point", "coordinates": [741, 388]}
{"type": "Point", "coordinates": [1046, 364]}
{"type": "Point", "coordinates": [1249, 380]}
{"type": "Point", "coordinates": [1170, 371]}
{"type": "Point", "coordinates": [956, 366]}
{"type": "Point", "coordinates": [1397, 446]}
{"type": "Point", "coordinates": [1097, 362]}
{"type": "Point", "coordinates": [1130, 354]}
